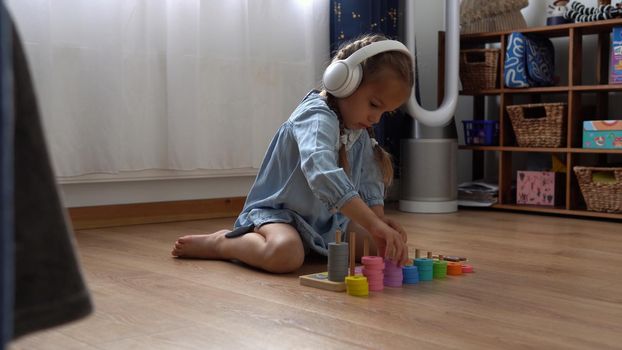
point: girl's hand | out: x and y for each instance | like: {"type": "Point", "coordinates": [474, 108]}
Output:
{"type": "Point", "coordinates": [396, 226]}
{"type": "Point", "coordinates": [388, 235]}
{"type": "Point", "coordinates": [390, 242]}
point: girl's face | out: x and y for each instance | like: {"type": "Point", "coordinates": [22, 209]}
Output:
{"type": "Point", "coordinates": [374, 97]}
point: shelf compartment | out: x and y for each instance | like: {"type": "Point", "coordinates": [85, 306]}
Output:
{"type": "Point", "coordinates": [554, 210]}
{"type": "Point", "coordinates": [594, 151]}
{"type": "Point", "coordinates": [541, 89]}
{"type": "Point", "coordinates": [588, 96]}
{"type": "Point", "coordinates": [562, 30]}
{"type": "Point", "coordinates": [487, 92]}
{"type": "Point", "coordinates": [597, 88]}
{"type": "Point", "coordinates": [538, 150]}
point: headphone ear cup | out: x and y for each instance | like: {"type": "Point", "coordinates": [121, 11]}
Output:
{"type": "Point", "coordinates": [340, 80]}
{"type": "Point", "coordinates": [356, 75]}
{"type": "Point", "coordinates": [336, 76]}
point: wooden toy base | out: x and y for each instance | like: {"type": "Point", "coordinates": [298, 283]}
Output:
{"type": "Point", "coordinates": [320, 280]}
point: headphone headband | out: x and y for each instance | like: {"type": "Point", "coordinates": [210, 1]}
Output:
{"type": "Point", "coordinates": [342, 77]}
{"type": "Point", "coordinates": [373, 49]}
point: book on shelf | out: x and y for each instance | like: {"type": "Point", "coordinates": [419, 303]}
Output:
{"type": "Point", "coordinates": [477, 193]}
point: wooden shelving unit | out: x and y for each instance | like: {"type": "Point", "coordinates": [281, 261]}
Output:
{"type": "Point", "coordinates": [571, 91]}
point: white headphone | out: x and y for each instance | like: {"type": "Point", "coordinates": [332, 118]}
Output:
{"type": "Point", "coordinates": [343, 77]}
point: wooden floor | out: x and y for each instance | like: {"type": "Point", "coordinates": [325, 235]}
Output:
{"type": "Point", "coordinates": [541, 282]}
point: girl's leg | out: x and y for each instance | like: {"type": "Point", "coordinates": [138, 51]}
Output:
{"type": "Point", "coordinates": [361, 235]}
{"type": "Point", "coordinates": [273, 247]}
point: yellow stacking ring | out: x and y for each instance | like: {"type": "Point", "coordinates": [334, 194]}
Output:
{"type": "Point", "coordinates": [357, 286]}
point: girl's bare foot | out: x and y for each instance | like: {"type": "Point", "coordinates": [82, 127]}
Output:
{"type": "Point", "coordinates": [200, 246]}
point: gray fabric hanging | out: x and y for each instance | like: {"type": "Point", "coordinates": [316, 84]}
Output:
{"type": "Point", "coordinates": [49, 287]}
{"type": "Point", "coordinates": [6, 183]}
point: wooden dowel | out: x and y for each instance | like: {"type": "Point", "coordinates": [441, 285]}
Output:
{"type": "Point", "coordinates": [352, 243]}
{"type": "Point", "coordinates": [429, 255]}
{"type": "Point", "coordinates": [366, 246]}
{"type": "Point", "coordinates": [417, 254]}
{"type": "Point", "coordinates": [338, 236]}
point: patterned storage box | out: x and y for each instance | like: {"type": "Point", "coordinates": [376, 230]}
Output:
{"type": "Point", "coordinates": [537, 188]}
{"type": "Point", "coordinates": [615, 69]}
{"type": "Point", "coordinates": [602, 134]}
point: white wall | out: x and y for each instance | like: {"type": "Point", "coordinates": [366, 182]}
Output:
{"type": "Point", "coordinates": [122, 192]}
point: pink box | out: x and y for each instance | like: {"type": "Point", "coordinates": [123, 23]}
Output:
{"type": "Point", "coordinates": [536, 188]}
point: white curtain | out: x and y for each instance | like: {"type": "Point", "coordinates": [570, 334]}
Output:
{"type": "Point", "coordinates": [129, 85]}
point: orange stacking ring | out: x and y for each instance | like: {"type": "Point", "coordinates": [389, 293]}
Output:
{"type": "Point", "coordinates": [454, 268]}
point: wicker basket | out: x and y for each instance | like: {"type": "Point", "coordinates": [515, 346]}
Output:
{"type": "Point", "coordinates": [479, 69]}
{"type": "Point", "coordinates": [539, 124]}
{"type": "Point", "coordinates": [600, 196]}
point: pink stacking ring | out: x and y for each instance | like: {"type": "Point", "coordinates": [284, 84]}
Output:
{"type": "Point", "coordinates": [467, 268]}
{"type": "Point", "coordinates": [371, 260]}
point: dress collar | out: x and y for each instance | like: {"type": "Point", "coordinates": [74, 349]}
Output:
{"type": "Point", "coordinates": [349, 137]}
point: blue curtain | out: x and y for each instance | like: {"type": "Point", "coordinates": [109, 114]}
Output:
{"type": "Point", "coordinates": [352, 18]}
{"type": "Point", "coordinates": [6, 181]}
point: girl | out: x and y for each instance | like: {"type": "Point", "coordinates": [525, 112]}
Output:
{"type": "Point", "coordinates": [321, 173]}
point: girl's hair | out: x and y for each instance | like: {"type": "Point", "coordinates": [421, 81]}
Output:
{"type": "Point", "coordinates": [401, 64]}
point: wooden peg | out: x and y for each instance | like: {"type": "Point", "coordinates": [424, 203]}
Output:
{"type": "Point", "coordinates": [338, 236]}
{"type": "Point", "coordinates": [429, 255]}
{"type": "Point", "coordinates": [417, 254]}
{"type": "Point", "coordinates": [441, 258]}
{"type": "Point", "coordinates": [366, 246]}
{"type": "Point", "coordinates": [352, 243]}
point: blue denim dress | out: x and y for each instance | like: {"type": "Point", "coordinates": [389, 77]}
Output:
{"type": "Point", "coordinates": [300, 181]}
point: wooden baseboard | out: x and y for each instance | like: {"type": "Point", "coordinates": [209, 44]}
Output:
{"type": "Point", "coordinates": [149, 213]}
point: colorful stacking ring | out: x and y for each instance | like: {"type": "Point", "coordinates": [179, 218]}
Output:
{"type": "Point", "coordinates": [440, 269]}
{"type": "Point", "coordinates": [454, 269]}
{"type": "Point", "coordinates": [411, 274]}
{"type": "Point", "coordinates": [373, 269]}
{"type": "Point", "coordinates": [357, 286]}
{"type": "Point", "coordinates": [467, 268]}
{"type": "Point", "coordinates": [424, 266]}
{"type": "Point", "coordinates": [393, 275]}
{"type": "Point", "coordinates": [337, 261]}
{"type": "Point", "coordinates": [372, 260]}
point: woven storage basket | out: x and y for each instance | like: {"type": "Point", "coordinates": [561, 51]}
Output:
{"type": "Point", "coordinates": [548, 130]}
{"type": "Point", "coordinates": [604, 197]}
{"type": "Point", "coordinates": [478, 69]}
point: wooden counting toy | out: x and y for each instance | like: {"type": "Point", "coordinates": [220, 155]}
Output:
{"type": "Point", "coordinates": [352, 253]}
{"type": "Point", "coordinates": [376, 273]}
{"type": "Point", "coordinates": [355, 285]}
{"type": "Point", "coordinates": [333, 279]}
{"type": "Point", "coordinates": [321, 281]}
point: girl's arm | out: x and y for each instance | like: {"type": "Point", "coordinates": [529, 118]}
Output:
{"type": "Point", "coordinates": [378, 210]}
{"type": "Point", "coordinates": [386, 237]}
